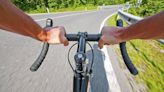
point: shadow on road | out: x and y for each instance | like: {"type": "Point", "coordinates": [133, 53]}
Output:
{"type": "Point", "coordinates": [98, 82]}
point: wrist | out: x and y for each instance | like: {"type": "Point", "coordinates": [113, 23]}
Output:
{"type": "Point", "coordinates": [119, 35]}
{"type": "Point", "coordinates": [42, 36]}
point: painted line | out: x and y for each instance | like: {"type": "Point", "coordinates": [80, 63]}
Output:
{"type": "Point", "coordinates": [66, 15]}
{"type": "Point", "coordinates": [111, 76]}
{"type": "Point", "coordinates": [58, 12]}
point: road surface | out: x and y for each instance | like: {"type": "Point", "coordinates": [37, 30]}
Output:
{"type": "Point", "coordinates": [17, 53]}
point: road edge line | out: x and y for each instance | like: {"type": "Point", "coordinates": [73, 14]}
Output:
{"type": "Point", "coordinates": [67, 15]}
{"type": "Point", "coordinates": [111, 76]}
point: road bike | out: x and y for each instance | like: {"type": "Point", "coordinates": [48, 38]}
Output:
{"type": "Point", "coordinates": [81, 71]}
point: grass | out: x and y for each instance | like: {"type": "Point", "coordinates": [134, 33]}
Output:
{"type": "Point", "coordinates": [148, 57]}
{"type": "Point", "coordinates": [79, 8]}
{"type": "Point", "coordinates": [112, 20]}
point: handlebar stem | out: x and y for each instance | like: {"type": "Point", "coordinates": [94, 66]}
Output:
{"type": "Point", "coordinates": [80, 56]}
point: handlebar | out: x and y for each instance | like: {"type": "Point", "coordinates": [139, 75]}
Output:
{"type": "Point", "coordinates": [70, 37]}
{"type": "Point", "coordinates": [125, 55]}
{"type": "Point", "coordinates": [88, 37]}
{"type": "Point", "coordinates": [40, 59]}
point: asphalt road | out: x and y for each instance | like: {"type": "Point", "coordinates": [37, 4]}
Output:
{"type": "Point", "coordinates": [17, 53]}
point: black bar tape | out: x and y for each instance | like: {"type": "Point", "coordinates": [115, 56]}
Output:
{"type": "Point", "coordinates": [125, 55]}
{"type": "Point", "coordinates": [127, 60]}
{"type": "Point", "coordinates": [35, 66]}
{"type": "Point", "coordinates": [41, 58]}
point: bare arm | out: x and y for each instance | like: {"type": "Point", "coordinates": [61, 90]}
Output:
{"type": "Point", "coordinates": [14, 20]}
{"type": "Point", "coordinates": [148, 28]}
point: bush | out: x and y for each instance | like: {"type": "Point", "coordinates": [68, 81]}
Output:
{"type": "Point", "coordinates": [133, 11]}
{"type": "Point", "coordinates": [148, 7]}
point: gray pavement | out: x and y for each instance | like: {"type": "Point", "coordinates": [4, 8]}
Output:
{"type": "Point", "coordinates": [17, 53]}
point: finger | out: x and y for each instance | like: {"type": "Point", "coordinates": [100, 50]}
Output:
{"type": "Point", "coordinates": [106, 44]}
{"type": "Point", "coordinates": [103, 30]}
{"type": "Point", "coordinates": [62, 29]}
{"type": "Point", "coordinates": [65, 41]}
{"type": "Point", "coordinates": [101, 43]}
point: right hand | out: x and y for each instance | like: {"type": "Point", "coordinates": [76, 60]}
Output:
{"type": "Point", "coordinates": [109, 36]}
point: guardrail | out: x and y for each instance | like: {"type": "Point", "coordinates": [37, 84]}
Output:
{"type": "Point", "coordinates": [103, 7]}
{"type": "Point", "coordinates": [130, 19]}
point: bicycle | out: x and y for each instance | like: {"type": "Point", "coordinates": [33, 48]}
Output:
{"type": "Point", "coordinates": [82, 72]}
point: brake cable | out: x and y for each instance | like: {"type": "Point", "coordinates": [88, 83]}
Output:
{"type": "Point", "coordinates": [90, 71]}
{"type": "Point", "coordinates": [92, 60]}
{"type": "Point", "coordinates": [68, 57]}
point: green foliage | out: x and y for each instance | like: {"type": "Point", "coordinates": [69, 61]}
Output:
{"type": "Point", "coordinates": [112, 20]}
{"type": "Point", "coordinates": [133, 11]}
{"type": "Point", "coordinates": [148, 58]}
{"type": "Point", "coordinates": [152, 7]}
{"type": "Point", "coordinates": [148, 7]}
{"type": "Point", "coordinates": [55, 5]}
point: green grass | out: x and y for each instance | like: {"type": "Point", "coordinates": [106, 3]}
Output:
{"type": "Point", "coordinates": [112, 20]}
{"type": "Point", "coordinates": [79, 8]}
{"type": "Point", "coordinates": [148, 57]}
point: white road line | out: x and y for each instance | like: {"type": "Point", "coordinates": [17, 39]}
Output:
{"type": "Point", "coordinates": [56, 12]}
{"type": "Point", "coordinates": [111, 76]}
{"type": "Point", "coordinates": [66, 15]}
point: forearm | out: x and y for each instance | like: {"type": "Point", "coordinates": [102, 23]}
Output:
{"type": "Point", "coordinates": [148, 28]}
{"type": "Point", "coordinates": [14, 20]}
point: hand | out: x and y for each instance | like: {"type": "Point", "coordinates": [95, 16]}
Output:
{"type": "Point", "coordinates": [109, 36]}
{"type": "Point", "coordinates": [56, 35]}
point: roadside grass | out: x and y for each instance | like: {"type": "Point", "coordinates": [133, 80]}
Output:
{"type": "Point", "coordinates": [148, 57]}
{"type": "Point", "coordinates": [112, 21]}
{"type": "Point", "coordinates": [79, 8]}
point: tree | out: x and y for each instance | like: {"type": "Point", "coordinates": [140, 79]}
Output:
{"type": "Point", "coordinates": [46, 3]}
{"type": "Point", "coordinates": [83, 2]}
{"type": "Point", "coordinates": [39, 5]}
{"type": "Point", "coordinates": [95, 2]}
